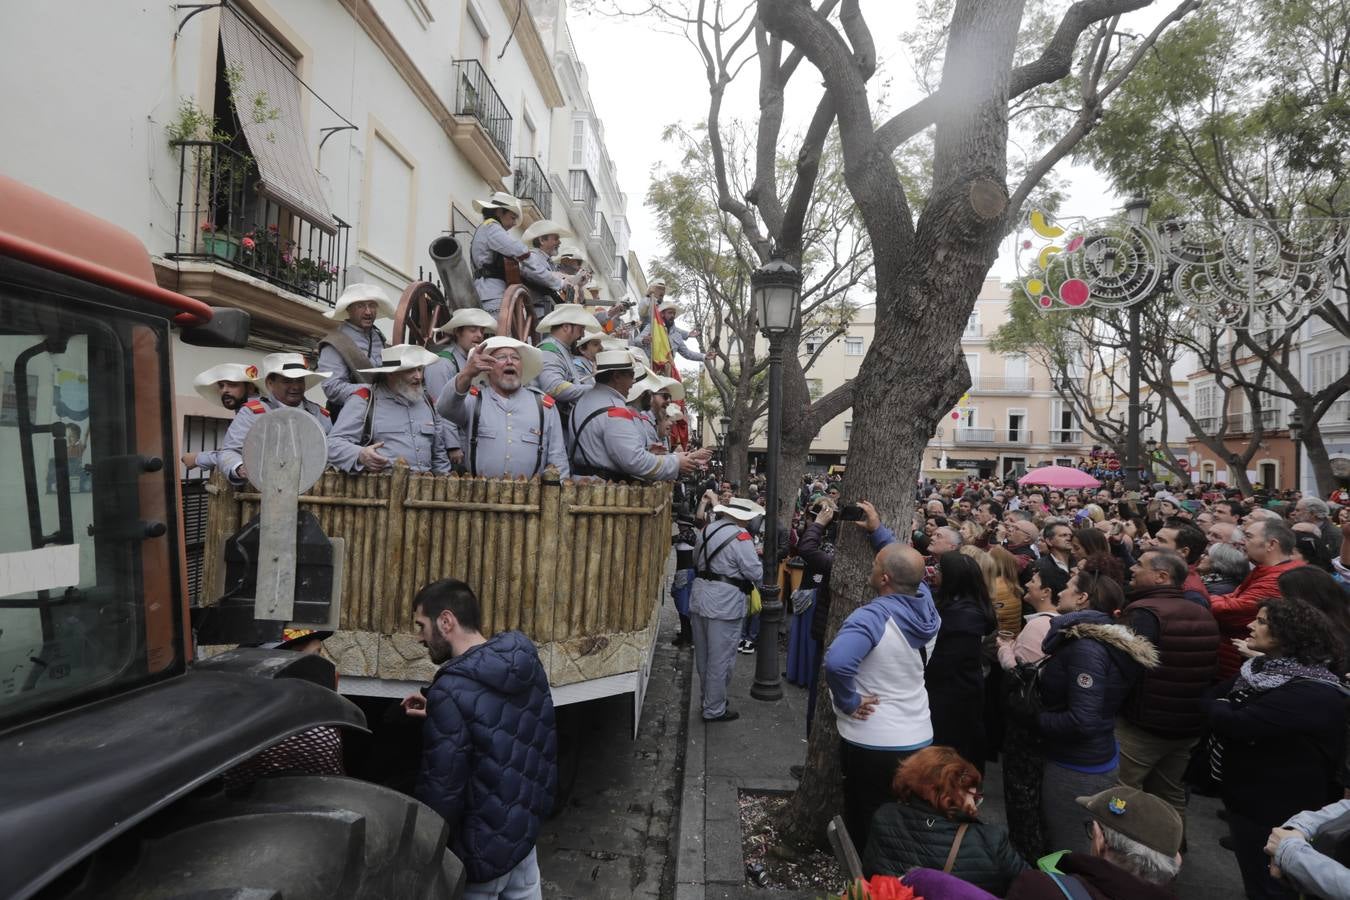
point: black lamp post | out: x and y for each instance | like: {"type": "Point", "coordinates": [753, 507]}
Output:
{"type": "Point", "coordinates": [1137, 212]}
{"type": "Point", "coordinates": [777, 289]}
{"type": "Point", "coordinates": [1295, 435]}
{"type": "Point", "coordinates": [1152, 445]}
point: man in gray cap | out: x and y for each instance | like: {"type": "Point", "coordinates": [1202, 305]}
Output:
{"type": "Point", "coordinates": [356, 343]}
{"type": "Point", "coordinates": [606, 438]}
{"type": "Point", "coordinates": [509, 430]}
{"type": "Point", "coordinates": [726, 567]}
{"type": "Point", "coordinates": [284, 380]}
{"type": "Point", "coordinates": [391, 420]}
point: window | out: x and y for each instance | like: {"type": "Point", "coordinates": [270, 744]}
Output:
{"type": "Point", "coordinates": [531, 134]}
{"type": "Point", "coordinates": [474, 37]}
{"type": "Point", "coordinates": [815, 387]}
{"type": "Point", "coordinates": [1323, 370]}
{"type": "Point", "coordinates": [853, 346]}
{"type": "Point", "coordinates": [388, 211]}
{"type": "Point", "coordinates": [972, 324]}
{"type": "Point", "coordinates": [578, 144]}
{"type": "Point", "coordinates": [1015, 372]}
{"type": "Point", "coordinates": [812, 345]}
{"type": "Point", "coordinates": [1063, 461]}
{"type": "Point", "coordinates": [973, 366]}
{"type": "Point", "coordinates": [1017, 422]}
{"type": "Point", "coordinates": [1205, 403]}
{"type": "Point", "coordinates": [848, 431]}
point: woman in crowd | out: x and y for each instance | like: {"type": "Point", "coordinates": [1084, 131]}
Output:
{"type": "Point", "coordinates": [1008, 594]}
{"type": "Point", "coordinates": [815, 546]}
{"type": "Point", "coordinates": [1320, 591]}
{"type": "Point", "coordinates": [954, 676]}
{"type": "Point", "coordinates": [1094, 661]}
{"type": "Point", "coordinates": [1222, 568]}
{"type": "Point", "coordinates": [935, 818]}
{"type": "Point", "coordinates": [1091, 544]}
{"type": "Point", "coordinates": [1277, 737]}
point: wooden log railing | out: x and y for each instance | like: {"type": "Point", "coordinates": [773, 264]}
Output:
{"type": "Point", "coordinates": [560, 562]}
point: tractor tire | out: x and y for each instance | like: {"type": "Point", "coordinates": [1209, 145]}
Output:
{"type": "Point", "coordinates": [286, 838]}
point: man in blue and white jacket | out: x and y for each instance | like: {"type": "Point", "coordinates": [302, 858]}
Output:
{"type": "Point", "coordinates": [875, 671]}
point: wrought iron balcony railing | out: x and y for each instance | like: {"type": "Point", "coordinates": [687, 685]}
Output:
{"type": "Point", "coordinates": [531, 184]}
{"type": "Point", "coordinates": [224, 219]}
{"type": "Point", "coordinates": [475, 96]}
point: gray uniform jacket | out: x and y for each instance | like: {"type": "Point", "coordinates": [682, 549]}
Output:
{"type": "Point", "coordinates": [231, 454]}
{"type": "Point", "coordinates": [208, 459]}
{"type": "Point", "coordinates": [436, 376]}
{"type": "Point", "coordinates": [648, 422]}
{"type": "Point", "coordinates": [338, 388]}
{"type": "Point", "coordinates": [508, 440]}
{"type": "Point", "coordinates": [489, 240]}
{"type": "Point", "coordinates": [736, 558]}
{"type": "Point", "coordinates": [607, 435]}
{"type": "Point", "coordinates": [541, 280]}
{"type": "Point", "coordinates": [558, 379]}
{"type": "Point", "coordinates": [678, 336]}
{"type": "Point", "coordinates": [410, 430]}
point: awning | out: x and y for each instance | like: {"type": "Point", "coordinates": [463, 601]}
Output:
{"type": "Point", "coordinates": [266, 95]}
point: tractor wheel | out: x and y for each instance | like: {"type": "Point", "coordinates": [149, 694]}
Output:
{"type": "Point", "coordinates": [286, 838]}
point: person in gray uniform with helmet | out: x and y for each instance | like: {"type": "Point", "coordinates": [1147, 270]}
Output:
{"type": "Point", "coordinates": [607, 439]}
{"type": "Point", "coordinates": [356, 343]}
{"type": "Point", "coordinates": [726, 567]}
{"type": "Point", "coordinates": [510, 429]}
{"type": "Point", "coordinates": [283, 381]}
{"type": "Point", "coordinates": [391, 420]}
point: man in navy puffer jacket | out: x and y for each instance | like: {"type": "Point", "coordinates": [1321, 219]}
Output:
{"type": "Point", "coordinates": [489, 757]}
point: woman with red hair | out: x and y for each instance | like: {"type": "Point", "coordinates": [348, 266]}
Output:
{"type": "Point", "coordinates": [935, 825]}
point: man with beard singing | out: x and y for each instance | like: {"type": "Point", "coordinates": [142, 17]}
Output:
{"type": "Point", "coordinates": [391, 420]}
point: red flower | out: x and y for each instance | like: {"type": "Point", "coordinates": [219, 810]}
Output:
{"type": "Point", "coordinates": [208, 227]}
{"type": "Point", "coordinates": [882, 887]}
{"type": "Point", "coordinates": [248, 243]}
{"type": "Point", "coordinates": [272, 228]}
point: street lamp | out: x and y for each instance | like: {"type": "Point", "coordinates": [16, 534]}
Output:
{"type": "Point", "coordinates": [1295, 434]}
{"type": "Point", "coordinates": [725, 422]}
{"type": "Point", "coordinates": [777, 290]}
{"type": "Point", "coordinates": [1136, 212]}
{"type": "Point", "coordinates": [1152, 445]}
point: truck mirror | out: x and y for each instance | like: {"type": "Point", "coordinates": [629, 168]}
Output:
{"type": "Point", "coordinates": [227, 328]}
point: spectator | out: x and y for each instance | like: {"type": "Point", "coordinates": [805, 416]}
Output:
{"type": "Point", "coordinates": [1008, 594]}
{"type": "Point", "coordinates": [954, 676]}
{"type": "Point", "coordinates": [875, 670]}
{"type": "Point", "coordinates": [1310, 870]}
{"type": "Point", "coordinates": [1165, 714]}
{"type": "Point", "coordinates": [1189, 542]}
{"type": "Point", "coordinates": [1223, 568]}
{"type": "Point", "coordinates": [935, 824]}
{"type": "Point", "coordinates": [1320, 590]}
{"type": "Point", "coordinates": [1134, 853]}
{"type": "Point", "coordinates": [1058, 539]}
{"type": "Point", "coordinates": [490, 748]}
{"type": "Point", "coordinates": [1284, 705]}
{"type": "Point", "coordinates": [1317, 513]}
{"type": "Point", "coordinates": [1094, 662]}
{"type": "Point", "coordinates": [1270, 546]}
{"type": "Point", "coordinates": [816, 548]}
{"type": "Point", "coordinates": [1229, 512]}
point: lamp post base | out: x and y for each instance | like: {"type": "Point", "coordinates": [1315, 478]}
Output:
{"type": "Point", "coordinates": [768, 683]}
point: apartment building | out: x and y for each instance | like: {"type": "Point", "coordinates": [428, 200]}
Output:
{"type": "Point", "coordinates": [1012, 419]}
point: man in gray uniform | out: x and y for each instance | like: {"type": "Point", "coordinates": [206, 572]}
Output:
{"type": "Point", "coordinates": [492, 245]}
{"type": "Point", "coordinates": [230, 384]}
{"type": "Point", "coordinates": [537, 271]}
{"type": "Point", "coordinates": [668, 312]}
{"type": "Point", "coordinates": [284, 380]}
{"type": "Point", "coordinates": [465, 330]}
{"type": "Point", "coordinates": [726, 567]}
{"type": "Point", "coordinates": [608, 441]}
{"type": "Point", "coordinates": [391, 420]}
{"type": "Point", "coordinates": [355, 344]}
{"type": "Point", "coordinates": [559, 379]}
{"type": "Point", "coordinates": [509, 430]}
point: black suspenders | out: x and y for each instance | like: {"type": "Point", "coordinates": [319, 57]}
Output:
{"type": "Point", "coordinates": [473, 434]}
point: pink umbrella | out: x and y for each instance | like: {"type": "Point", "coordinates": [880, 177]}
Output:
{"type": "Point", "coordinates": [1059, 477]}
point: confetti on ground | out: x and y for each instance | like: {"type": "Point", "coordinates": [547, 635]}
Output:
{"type": "Point", "coordinates": [785, 868]}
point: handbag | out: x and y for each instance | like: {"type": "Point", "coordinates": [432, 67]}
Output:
{"type": "Point", "coordinates": [1023, 697]}
{"type": "Point", "coordinates": [802, 600]}
{"type": "Point", "coordinates": [755, 604]}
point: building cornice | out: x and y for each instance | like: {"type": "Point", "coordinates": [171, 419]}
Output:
{"type": "Point", "coordinates": [535, 53]}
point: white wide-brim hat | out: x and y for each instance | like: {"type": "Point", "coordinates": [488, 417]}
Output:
{"type": "Point", "coordinates": [499, 200]}
{"type": "Point", "coordinates": [591, 336]}
{"type": "Point", "coordinates": [641, 356]}
{"type": "Point", "coordinates": [659, 282]}
{"type": "Point", "coordinates": [358, 293]}
{"type": "Point", "coordinates": [567, 314]}
{"type": "Point", "coordinates": [401, 358]}
{"type": "Point", "coordinates": [672, 386]}
{"type": "Point", "coordinates": [531, 360]}
{"type": "Point", "coordinates": [744, 510]}
{"type": "Point", "coordinates": [471, 317]}
{"type": "Point", "coordinates": [669, 305]}
{"type": "Point", "coordinates": [649, 383]}
{"type": "Point", "coordinates": [543, 227]}
{"type": "Point", "coordinates": [618, 361]}
{"type": "Point", "coordinates": [569, 251]}
{"type": "Point", "coordinates": [205, 383]}
{"type": "Point", "coordinates": [614, 343]}
{"type": "Point", "coordinates": [674, 414]}
{"type": "Point", "coordinates": [289, 365]}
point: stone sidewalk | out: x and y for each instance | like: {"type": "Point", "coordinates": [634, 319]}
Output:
{"type": "Point", "coordinates": [753, 754]}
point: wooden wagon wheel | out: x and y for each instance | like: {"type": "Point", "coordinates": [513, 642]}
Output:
{"type": "Point", "coordinates": [421, 309]}
{"type": "Point", "coordinates": [516, 318]}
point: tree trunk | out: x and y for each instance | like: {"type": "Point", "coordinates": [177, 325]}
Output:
{"type": "Point", "coordinates": [1318, 458]}
{"type": "Point", "coordinates": [736, 449]}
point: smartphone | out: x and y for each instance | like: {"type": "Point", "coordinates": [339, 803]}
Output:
{"type": "Point", "coordinates": [852, 513]}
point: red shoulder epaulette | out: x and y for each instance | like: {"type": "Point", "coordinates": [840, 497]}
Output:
{"type": "Point", "coordinates": [548, 401]}
{"type": "Point", "coordinates": [363, 393]}
{"type": "Point", "coordinates": [257, 407]}
{"type": "Point", "coordinates": [744, 536]}
{"type": "Point", "coordinates": [326, 413]}
{"type": "Point", "coordinates": [473, 391]}
{"type": "Point", "coordinates": [621, 412]}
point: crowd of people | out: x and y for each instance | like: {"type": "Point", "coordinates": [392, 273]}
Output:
{"type": "Point", "coordinates": [1116, 651]}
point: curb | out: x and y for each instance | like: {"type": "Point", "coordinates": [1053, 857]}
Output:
{"type": "Point", "coordinates": [689, 856]}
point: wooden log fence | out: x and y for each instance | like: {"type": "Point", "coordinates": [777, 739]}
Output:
{"type": "Point", "coordinates": [559, 561]}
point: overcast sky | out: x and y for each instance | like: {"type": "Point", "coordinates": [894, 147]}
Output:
{"type": "Point", "coordinates": [643, 78]}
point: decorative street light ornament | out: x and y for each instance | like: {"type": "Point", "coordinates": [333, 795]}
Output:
{"type": "Point", "coordinates": [777, 288]}
{"type": "Point", "coordinates": [1245, 273]}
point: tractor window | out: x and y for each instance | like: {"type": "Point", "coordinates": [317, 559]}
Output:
{"type": "Point", "coordinates": [88, 577]}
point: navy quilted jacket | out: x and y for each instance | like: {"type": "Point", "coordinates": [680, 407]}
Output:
{"type": "Point", "coordinates": [489, 753]}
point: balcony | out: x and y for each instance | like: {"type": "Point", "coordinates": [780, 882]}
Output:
{"type": "Point", "coordinates": [621, 269]}
{"type": "Point", "coordinates": [993, 436]}
{"type": "Point", "coordinates": [1066, 436]}
{"type": "Point", "coordinates": [1264, 419]}
{"type": "Point", "coordinates": [584, 195]}
{"type": "Point", "coordinates": [223, 219]}
{"type": "Point", "coordinates": [531, 185]}
{"type": "Point", "coordinates": [1006, 384]}
{"type": "Point", "coordinates": [606, 237]}
{"type": "Point", "coordinates": [973, 435]}
{"type": "Point", "coordinates": [1337, 415]}
{"type": "Point", "coordinates": [482, 126]}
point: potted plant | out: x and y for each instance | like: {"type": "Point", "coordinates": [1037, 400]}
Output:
{"type": "Point", "coordinates": [219, 243]}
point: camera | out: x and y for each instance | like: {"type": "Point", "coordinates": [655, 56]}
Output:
{"type": "Point", "coordinates": [852, 513]}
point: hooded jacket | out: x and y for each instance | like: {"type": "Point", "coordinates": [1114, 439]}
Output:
{"type": "Point", "coordinates": [1094, 662]}
{"type": "Point", "coordinates": [489, 753]}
